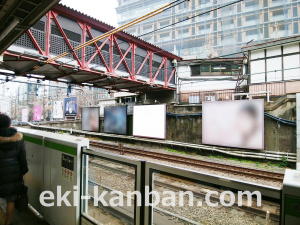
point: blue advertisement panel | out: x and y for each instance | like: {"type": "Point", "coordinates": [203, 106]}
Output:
{"type": "Point", "coordinates": [115, 120]}
{"type": "Point", "coordinates": [71, 107]}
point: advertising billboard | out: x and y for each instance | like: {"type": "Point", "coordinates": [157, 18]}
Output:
{"type": "Point", "coordinates": [237, 123]}
{"type": "Point", "coordinates": [90, 119]}
{"type": "Point", "coordinates": [149, 121]}
{"type": "Point", "coordinates": [25, 113]}
{"type": "Point", "coordinates": [115, 120]}
{"type": "Point", "coordinates": [71, 107]}
{"type": "Point", "coordinates": [37, 113]}
{"type": "Point", "coordinates": [58, 110]}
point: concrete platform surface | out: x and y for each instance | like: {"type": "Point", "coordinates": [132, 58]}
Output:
{"type": "Point", "coordinates": [27, 217]}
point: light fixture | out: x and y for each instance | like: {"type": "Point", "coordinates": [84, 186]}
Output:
{"type": "Point", "coordinates": [37, 76]}
{"type": "Point", "coordinates": [62, 80]}
{"type": "Point", "coordinates": [89, 84]}
{"type": "Point", "coordinates": [219, 68]}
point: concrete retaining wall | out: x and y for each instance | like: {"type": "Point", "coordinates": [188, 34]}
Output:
{"type": "Point", "coordinates": [278, 136]}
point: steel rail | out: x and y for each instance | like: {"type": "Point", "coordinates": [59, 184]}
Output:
{"type": "Point", "coordinates": [255, 173]}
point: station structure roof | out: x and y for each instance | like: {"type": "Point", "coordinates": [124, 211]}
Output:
{"type": "Point", "coordinates": [17, 16]}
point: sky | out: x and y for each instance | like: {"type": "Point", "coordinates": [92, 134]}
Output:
{"type": "Point", "coordinates": [103, 10]}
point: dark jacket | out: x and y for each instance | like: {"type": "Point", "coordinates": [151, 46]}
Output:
{"type": "Point", "coordinates": [13, 163]}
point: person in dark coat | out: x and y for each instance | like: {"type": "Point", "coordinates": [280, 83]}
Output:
{"type": "Point", "coordinates": [13, 164]}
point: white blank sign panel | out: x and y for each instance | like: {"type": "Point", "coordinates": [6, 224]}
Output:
{"type": "Point", "coordinates": [149, 121]}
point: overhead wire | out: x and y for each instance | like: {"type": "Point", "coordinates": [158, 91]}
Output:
{"type": "Point", "coordinates": [172, 24]}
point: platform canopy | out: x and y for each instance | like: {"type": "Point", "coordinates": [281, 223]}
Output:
{"type": "Point", "coordinates": [17, 16]}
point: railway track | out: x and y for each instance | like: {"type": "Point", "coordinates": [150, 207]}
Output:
{"type": "Point", "coordinates": [173, 184]}
{"type": "Point", "coordinates": [249, 172]}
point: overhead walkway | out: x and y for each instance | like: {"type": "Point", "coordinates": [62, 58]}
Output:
{"type": "Point", "coordinates": [61, 47]}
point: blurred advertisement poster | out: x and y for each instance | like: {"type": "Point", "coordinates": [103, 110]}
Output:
{"type": "Point", "coordinates": [71, 107]}
{"type": "Point", "coordinates": [37, 113]}
{"type": "Point", "coordinates": [90, 119]}
{"type": "Point", "coordinates": [237, 123]}
{"type": "Point", "coordinates": [115, 120]}
{"type": "Point", "coordinates": [25, 113]}
{"type": "Point", "coordinates": [58, 110]}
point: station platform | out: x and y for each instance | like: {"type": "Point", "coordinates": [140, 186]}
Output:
{"type": "Point", "coordinates": [21, 218]}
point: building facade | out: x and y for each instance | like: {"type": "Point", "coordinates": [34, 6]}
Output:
{"type": "Point", "coordinates": [210, 79]}
{"type": "Point", "coordinates": [216, 33]}
{"type": "Point", "coordinates": [274, 67]}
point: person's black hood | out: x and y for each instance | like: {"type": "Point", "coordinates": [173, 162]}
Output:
{"type": "Point", "coordinates": [8, 132]}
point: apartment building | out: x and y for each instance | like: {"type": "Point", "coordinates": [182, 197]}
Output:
{"type": "Point", "coordinates": [219, 32]}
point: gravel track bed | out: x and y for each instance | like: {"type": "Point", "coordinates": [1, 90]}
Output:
{"type": "Point", "coordinates": [204, 214]}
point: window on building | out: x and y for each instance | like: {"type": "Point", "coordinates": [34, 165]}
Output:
{"type": "Point", "coordinates": [251, 32]}
{"type": "Point", "coordinates": [249, 18]}
{"type": "Point", "coordinates": [128, 56]}
{"type": "Point", "coordinates": [205, 69]}
{"type": "Point", "coordinates": [164, 35]}
{"type": "Point", "coordinates": [296, 30]}
{"type": "Point", "coordinates": [295, 12]}
{"type": "Point", "coordinates": [251, 3]}
{"type": "Point", "coordinates": [131, 31]}
{"type": "Point", "coordinates": [155, 65]}
{"type": "Point", "coordinates": [195, 70]}
{"type": "Point", "coordinates": [105, 47]}
{"type": "Point", "coordinates": [200, 2]}
{"type": "Point", "coordinates": [184, 31]}
{"type": "Point", "coordinates": [183, 5]}
{"type": "Point", "coordinates": [164, 23]}
{"type": "Point", "coordinates": [148, 38]}
{"type": "Point", "coordinates": [220, 69]}
{"type": "Point", "coordinates": [147, 27]}
{"type": "Point", "coordinates": [278, 12]}
{"type": "Point", "coordinates": [236, 69]}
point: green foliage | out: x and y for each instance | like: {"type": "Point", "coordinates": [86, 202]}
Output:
{"type": "Point", "coordinates": [283, 162]}
{"type": "Point", "coordinates": [173, 150]}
